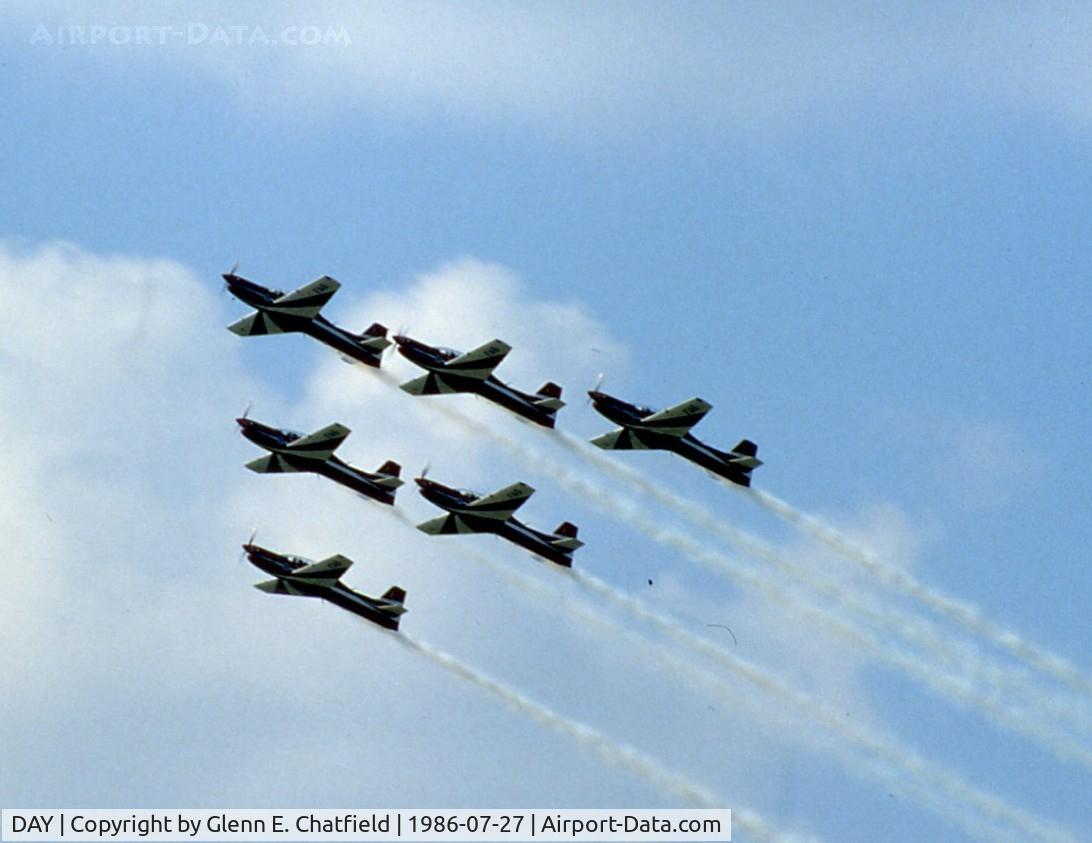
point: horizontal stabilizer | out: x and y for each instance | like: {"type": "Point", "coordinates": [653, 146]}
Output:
{"type": "Point", "coordinates": [308, 300]}
{"type": "Point", "coordinates": [677, 420]}
{"type": "Point", "coordinates": [566, 537]}
{"type": "Point", "coordinates": [375, 343]}
{"type": "Point", "coordinates": [272, 464]}
{"type": "Point", "coordinates": [480, 362]}
{"type": "Point", "coordinates": [502, 503]}
{"type": "Point", "coordinates": [393, 599]}
{"type": "Point", "coordinates": [375, 337]}
{"type": "Point", "coordinates": [320, 444]}
{"type": "Point", "coordinates": [388, 475]}
{"type": "Point", "coordinates": [549, 397]}
{"type": "Point", "coordinates": [255, 325]}
{"type": "Point", "coordinates": [745, 454]}
{"type": "Point", "coordinates": [327, 572]}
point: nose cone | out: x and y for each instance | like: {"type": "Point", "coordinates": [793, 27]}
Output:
{"type": "Point", "coordinates": [243, 422]}
{"type": "Point", "coordinates": [595, 395]}
{"type": "Point", "coordinates": [401, 339]}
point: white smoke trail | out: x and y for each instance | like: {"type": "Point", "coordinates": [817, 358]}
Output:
{"type": "Point", "coordinates": [620, 755]}
{"type": "Point", "coordinates": [989, 804]}
{"type": "Point", "coordinates": [1004, 709]}
{"type": "Point", "coordinates": [873, 756]}
{"type": "Point", "coordinates": [1002, 681]}
{"type": "Point", "coordinates": [943, 785]}
{"type": "Point", "coordinates": [958, 611]}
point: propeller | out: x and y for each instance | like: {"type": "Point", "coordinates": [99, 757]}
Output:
{"type": "Point", "coordinates": [231, 271]}
{"type": "Point", "coordinates": [425, 470]}
{"type": "Point", "coordinates": [246, 412]}
{"type": "Point", "coordinates": [598, 385]}
{"type": "Point", "coordinates": [242, 553]}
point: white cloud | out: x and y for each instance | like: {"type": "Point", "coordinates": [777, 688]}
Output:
{"type": "Point", "coordinates": [125, 501]}
{"type": "Point", "coordinates": [577, 69]}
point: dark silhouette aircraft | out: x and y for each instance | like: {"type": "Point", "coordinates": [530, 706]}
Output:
{"type": "Point", "coordinates": [469, 512]}
{"type": "Point", "coordinates": [298, 312]}
{"type": "Point", "coordinates": [302, 577]}
{"type": "Point", "coordinates": [669, 430]}
{"type": "Point", "coordinates": [450, 371]}
{"type": "Point", "coordinates": [291, 451]}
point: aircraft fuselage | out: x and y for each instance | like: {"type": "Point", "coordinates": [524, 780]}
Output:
{"type": "Point", "coordinates": [318, 327]}
{"type": "Point", "coordinates": [281, 567]}
{"type": "Point", "coordinates": [457, 501]}
{"type": "Point", "coordinates": [433, 359]}
{"type": "Point", "coordinates": [276, 441]}
{"type": "Point", "coordinates": [689, 447]}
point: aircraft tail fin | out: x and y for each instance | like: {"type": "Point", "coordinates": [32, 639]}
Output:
{"type": "Point", "coordinates": [389, 475]}
{"type": "Point", "coordinates": [549, 397]}
{"type": "Point", "coordinates": [392, 603]}
{"type": "Point", "coordinates": [566, 537]}
{"type": "Point", "coordinates": [745, 455]}
{"type": "Point", "coordinates": [396, 594]}
{"type": "Point", "coordinates": [375, 337]}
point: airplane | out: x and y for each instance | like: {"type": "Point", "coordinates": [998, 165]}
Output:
{"type": "Point", "coordinates": [304, 578]}
{"type": "Point", "coordinates": [291, 451]}
{"type": "Point", "coordinates": [669, 430]}
{"type": "Point", "coordinates": [451, 371]}
{"type": "Point", "coordinates": [469, 512]}
{"type": "Point", "coordinates": [298, 311]}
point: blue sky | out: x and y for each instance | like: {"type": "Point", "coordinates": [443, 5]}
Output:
{"type": "Point", "coordinates": [860, 234]}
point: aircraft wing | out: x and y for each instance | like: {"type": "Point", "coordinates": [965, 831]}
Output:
{"type": "Point", "coordinates": [430, 384]}
{"type": "Point", "coordinates": [308, 300]}
{"type": "Point", "coordinates": [326, 572]}
{"type": "Point", "coordinates": [677, 420]}
{"type": "Point", "coordinates": [255, 325]}
{"type": "Point", "coordinates": [320, 444]}
{"type": "Point", "coordinates": [622, 439]}
{"type": "Point", "coordinates": [272, 464]}
{"type": "Point", "coordinates": [446, 525]}
{"type": "Point", "coordinates": [480, 362]}
{"type": "Point", "coordinates": [502, 503]}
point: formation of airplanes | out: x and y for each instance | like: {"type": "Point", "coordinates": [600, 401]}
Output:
{"type": "Point", "coordinates": [446, 372]}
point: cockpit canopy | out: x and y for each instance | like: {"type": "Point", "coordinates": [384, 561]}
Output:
{"type": "Point", "coordinates": [447, 353]}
